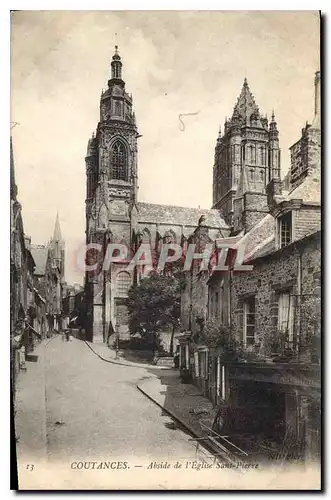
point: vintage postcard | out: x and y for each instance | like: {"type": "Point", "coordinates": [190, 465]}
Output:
{"type": "Point", "coordinates": [165, 200]}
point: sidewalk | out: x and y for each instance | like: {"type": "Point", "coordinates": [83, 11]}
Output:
{"type": "Point", "coordinates": [181, 401]}
{"type": "Point", "coordinates": [109, 355]}
{"type": "Point", "coordinates": [30, 406]}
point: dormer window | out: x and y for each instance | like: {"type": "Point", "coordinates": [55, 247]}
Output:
{"type": "Point", "coordinates": [285, 229]}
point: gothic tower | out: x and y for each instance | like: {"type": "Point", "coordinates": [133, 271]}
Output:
{"type": "Point", "coordinates": [57, 248]}
{"type": "Point", "coordinates": [111, 171]}
{"type": "Point", "coordinates": [247, 157]}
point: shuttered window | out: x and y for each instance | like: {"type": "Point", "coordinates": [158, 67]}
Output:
{"type": "Point", "coordinates": [249, 322]}
{"type": "Point", "coordinates": [285, 313]}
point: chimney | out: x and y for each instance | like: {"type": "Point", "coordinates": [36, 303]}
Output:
{"type": "Point", "coordinates": [317, 117]}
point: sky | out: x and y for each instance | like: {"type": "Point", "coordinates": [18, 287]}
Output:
{"type": "Point", "coordinates": [174, 62]}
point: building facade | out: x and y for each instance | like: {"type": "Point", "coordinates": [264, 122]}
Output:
{"type": "Point", "coordinates": [49, 276]}
{"type": "Point", "coordinates": [271, 314]}
{"type": "Point", "coordinates": [247, 155]}
{"type": "Point", "coordinates": [115, 215]}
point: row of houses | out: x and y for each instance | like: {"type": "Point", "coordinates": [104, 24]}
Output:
{"type": "Point", "coordinates": [253, 335]}
{"type": "Point", "coordinates": [36, 281]}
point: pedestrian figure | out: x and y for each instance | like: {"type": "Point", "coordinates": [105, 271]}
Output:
{"type": "Point", "coordinates": [67, 335]}
{"type": "Point", "coordinates": [111, 332]}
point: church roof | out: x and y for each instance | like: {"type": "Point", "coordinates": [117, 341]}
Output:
{"type": "Point", "coordinates": [39, 254]}
{"type": "Point", "coordinates": [182, 216]}
{"type": "Point", "coordinates": [262, 233]}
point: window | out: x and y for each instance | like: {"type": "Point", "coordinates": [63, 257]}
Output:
{"type": "Point", "coordinates": [251, 154]}
{"type": "Point", "coordinates": [123, 283]}
{"type": "Point", "coordinates": [146, 236]}
{"type": "Point", "coordinates": [216, 305]}
{"type": "Point", "coordinates": [222, 312]}
{"type": "Point", "coordinates": [119, 162]}
{"type": "Point", "coordinates": [262, 156]}
{"type": "Point", "coordinates": [118, 109]}
{"type": "Point", "coordinates": [285, 314]}
{"type": "Point", "coordinates": [169, 237]}
{"type": "Point", "coordinates": [211, 304]}
{"type": "Point", "coordinates": [249, 321]}
{"type": "Point", "coordinates": [203, 364]}
{"type": "Point", "coordinates": [285, 229]}
{"type": "Point", "coordinates": [116, 71]}
{"type": "Point", "coordinates": [252, 173]}
{"type": "Point", "coordinates": [262, 175]}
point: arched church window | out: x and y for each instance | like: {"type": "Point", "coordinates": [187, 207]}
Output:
{"type": "Point", "coordinates": [146, 236]}
{"type": "Point", "coordinates": [262, 156]}
{"type": "Point", "coordinates": [262, 175]}
{"type": "Point", "coordinates": [119, 164]}
{"type": "Point", "coordinates": [123, 283]}
{"type": "Point", "coordinates": [252, 173]}
{"type": "Point", "coordinates": [251, 154]}
{"type": "Point", "coordinates": [169, 237]}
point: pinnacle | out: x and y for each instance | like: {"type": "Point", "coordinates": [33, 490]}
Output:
{"type": "Point", "coordinates": [57, 230]}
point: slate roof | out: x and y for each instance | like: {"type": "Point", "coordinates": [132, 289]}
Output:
{"type": "Point", "coordinates": [309, 191]}
{"type": "Point", "coordinates": [264, 248]}
{"type": "Point", "coordinates": [182, 216]}
{"type": "Point", "coordinates": [40, 254]}
{"type": "Point", "coordinates": [259, 235]}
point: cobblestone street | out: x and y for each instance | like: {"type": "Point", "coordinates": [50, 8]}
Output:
{"type": "Point", "coordinates": [94, 412]}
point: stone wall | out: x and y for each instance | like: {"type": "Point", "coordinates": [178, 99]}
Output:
{"type": "Point", "coordinates": [271, 274]}
{"type": "Point", "coordinates": [306, 220]}
{"type": "Point", "coordinates": [255, 208]}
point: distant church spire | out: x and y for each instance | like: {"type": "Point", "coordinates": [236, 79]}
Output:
{"type": "Point", "coordinates": [57, 236]}
{"type": "Point", "coordinates": [57, 246]}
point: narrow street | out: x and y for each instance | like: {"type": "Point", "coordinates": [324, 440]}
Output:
{"type": "Point", "coordinates": [82, 423]}
{"type": "Point", "coordinates": [89, 410]}
{"type": "Point", "coordinates": [102, 413]}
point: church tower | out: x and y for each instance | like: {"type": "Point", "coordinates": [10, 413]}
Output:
{"type": "Point", "coordinates": [247, 157]}
{"type": "Point", "coordinates": [57, 248]}
{"type": "Point", "coordinates": [111, 193]}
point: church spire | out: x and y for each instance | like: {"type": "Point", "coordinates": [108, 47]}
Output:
{"type": "Point", "coordinates": [246, 106]}
{"type": "Point", "coordinates": [57, 236]}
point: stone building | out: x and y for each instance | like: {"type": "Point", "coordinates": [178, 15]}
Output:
{"type": "Point", "coordinates": [273, 310]}
{"type": "Point", "coordinates": [114, 213]}
{"type": "Point", "coordinates": [24, 302]}
{"type": "Point", "coordinates": [247, 157]}
{"type": "Point", "coordinates": [49, 276]}
{"type": "Point", "coordinates": [73, 306]}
